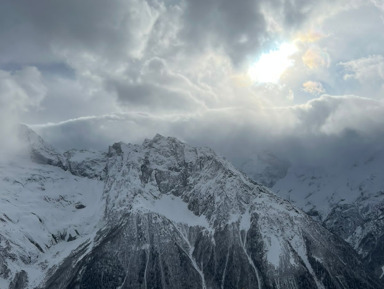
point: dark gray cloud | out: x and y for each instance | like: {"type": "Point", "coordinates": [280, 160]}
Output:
{"type": "Point", "coordinates": [38, 30]}
{"type": "Point", "coordinates": [47, 31]}
{"type": "Point", "coordinates": [154, 97]}
{"type": "Point", "coordinates": [241, 29]}
{"type": "Point", "coordinates": [237, 28]}
{"type": "Point", "coordinates": [157, 88]}
{"type": "Point", "coordinates": [293, 13]}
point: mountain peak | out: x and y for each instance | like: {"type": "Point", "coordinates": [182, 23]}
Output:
{"type": "Point", "coordinates": [168, 196]}
{"type": "Point", "coordinates": [160, 140]}
{"type": "Point", "coordinates": [167, 213]}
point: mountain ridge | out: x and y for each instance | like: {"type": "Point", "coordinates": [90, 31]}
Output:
{"type": "Point", "coordinates": [164, 203]}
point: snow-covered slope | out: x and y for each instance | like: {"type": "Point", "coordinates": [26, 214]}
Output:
{"type": "Point", "coordinates": [45, 212]}
{"type": "Point", "coordinates": [348, 197]}
{"type": "Point", "coordinates": [159, 215]}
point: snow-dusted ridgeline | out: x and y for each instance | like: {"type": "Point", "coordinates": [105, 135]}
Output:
{"type": "Point", "coordinates": [159, 215]}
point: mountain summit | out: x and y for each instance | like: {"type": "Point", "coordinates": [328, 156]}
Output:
{"type": "Point", "coordinates": [160, 215]}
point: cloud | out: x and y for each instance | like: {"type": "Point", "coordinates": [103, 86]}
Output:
{"type": "Point", "coordinates": [365, 75]}
{"type": "Point", "coordinates": [114, 29]}
{"type": "Point", "coordinates": [243, 30]}
{"type": "Point", "coordinates": [19, 91]}
{"type": "Point", "coordinates": [335, 114]}
{"type": "Point", "coordinates": [149, 96]}
{"type": "Point", "coordinates": [332, 130]}
{"type": "Point", "coordinates": [105, 54]}
{"type": "Point", "coordinates": [366, 69]}
{"type": "Point", "coordinates": [212, 31]}
{"type": "Point", "coordinates": [22, 89]}
{"type": "Point", "coordinates": [311, 36]}
{"type": "Point", "coordinates": [316, 57]}
{"type": "Point", "coordinates": [126, 70]}
{"type": "Point", "coordinates": [351, 39]}
{"type": "Point", "coordinates": [378, 3]}
{"type": "Point", "coordinates": [313, 87]}
{"type": "Point", "coordinates": [329, 128]}
{"type": "Point", "coordinates": [157, 88]}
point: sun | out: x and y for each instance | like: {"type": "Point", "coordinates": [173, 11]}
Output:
{"type": "Point", "coordinates": [270, 66]}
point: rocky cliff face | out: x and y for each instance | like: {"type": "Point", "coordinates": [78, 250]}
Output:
{"type": "Point", "coordinates": [361, 224]}
{"type": "Point", "coordinates": [347, 197]}
{"type": "Point", "coordinates": [167, 215]}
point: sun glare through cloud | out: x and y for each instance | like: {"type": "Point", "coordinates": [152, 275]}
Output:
{"type": "Point", "coordinates": [270, 66]}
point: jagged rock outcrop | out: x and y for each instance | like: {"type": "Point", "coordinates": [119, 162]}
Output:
{"type": "Point", "coordinates": [346, 195]}
{"type": "Point", "coordinates": [362, 225]}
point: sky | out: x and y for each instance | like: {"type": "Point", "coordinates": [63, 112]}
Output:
{"type": "Point", "coordinates": [301, 79]}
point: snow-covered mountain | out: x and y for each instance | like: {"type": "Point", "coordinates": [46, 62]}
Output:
{"type": "Point", "coordinates": [45, 212]}
{"type": "Point", "coordinates": [346, 196]}
{"type": "Point", "coordinates": [158, 215]}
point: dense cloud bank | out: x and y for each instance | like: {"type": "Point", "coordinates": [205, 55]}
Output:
{"type": "Point", "coordinates": [324, 131]}
{"type": "Point", "coordinates": [88, 73]}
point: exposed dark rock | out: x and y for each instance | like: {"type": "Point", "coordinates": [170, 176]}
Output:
{"type": "Point", "coordinates": [20, 281]}
{"type": "Point", "coordinates": [79, 206]}
{"type": "Point", "coordinates": [71, 238]}
{"type": "Point", "coordinates": [36, 245]}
